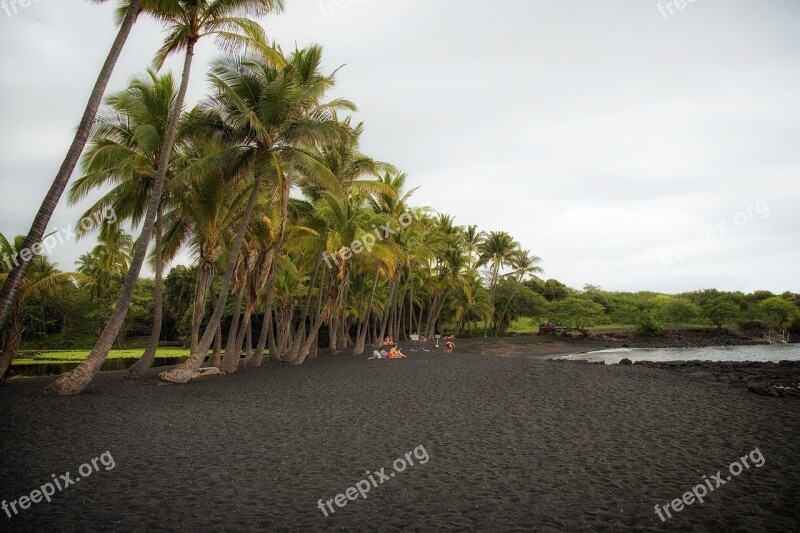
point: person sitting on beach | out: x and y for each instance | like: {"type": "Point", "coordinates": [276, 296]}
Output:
{"type": "Point", "coordinates": [395, 353]}
{"type": "Point", "coordinates": [448, 347]}
{"type": "Point", "coordinates": [387, 340]}
{"type": "Point", "coordinates": [423, 338]}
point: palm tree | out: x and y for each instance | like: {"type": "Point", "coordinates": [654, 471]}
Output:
{"type": "Point", "coordinates": [123, 152]}
{"type": "Point", "coordinates": [344, 161]}
{"type": "Point", "coordinates": [107, 263]}
{"type": "Point", "coordinates": [523, 264]}
{"type": "Point", "coordinates": [274, 113]}
{"type": "Point", "coordinates": [472, 240]}
{"type": "Point", "coordinates": [41, 279]}
{"type": "Point", "coordinates": [346, 219]}
{"type": "Point", "coordinates": [126, 16]}
{"type": "Point", "coordinates": [188, 21]}
{"type": "Point", "coordinates": [496, 252]}
{"type": "Point", "coordinates": [204, 217]}
{"type": "Point", "coordinates": [275, 123]}
{"type": "Point", "coordinates": [471, 301]}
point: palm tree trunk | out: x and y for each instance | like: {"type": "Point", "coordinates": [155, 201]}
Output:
{"type": "Point", "coordinates": [184, 372]}
{"type": "Point", "coordinates": [296, 343]}
{"type": "Point", "coordinates": [266, 325]}
{"type": "Point", "coordinates": [398, 313]}
{"type": "Point", "coordinates": [345, 335]}
{"type": "Point", "coordinates": [389, 308]}
{"type": "Point", "coordinates": [204, 281]}
{"type": "Point", "coordinates": [437, 313]}
{"type": "Point", "coordinates": [305, 347]}
{"type": "Point", "coordinates": [9, 291]}
{"type": "Point", "coordinates": [310, 293]}
{"type": "Point", "coordinates": [333, 334]}
{"type": "Point", "coordinates": [216, 357]}
{"type": "Point", "coordinates": [431, 327]}
{"type": "Point", "coordinates": [344, 323]}
{"type": "Point", "coordinates": [508, 304]}
{"type": "Point", "coordinates": [244, 330]}
{"type": "Point", "coordinates": [411, 311]}
{"type": "Point", "coordinates": [302, 343]}
{"type": "Point", "coordinates": [75, 381]}
{"type": "Point", "coordinates": [249, 341]}
{"type": "Point", "coordinates": [11, 342]}
{"type": "Point", "coordinates": [277, 347]}
{"type": "Point", "coordinates": [231, 359]}
{"type": "Point", "coordinates": [361, 337]}
{"type": "Point", "coordinates": [144, 363]}
{"type": "Point", "coordinates": [493, 292]}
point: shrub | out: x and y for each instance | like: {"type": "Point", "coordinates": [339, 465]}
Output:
{"type": "Point", "coordinates": [649, 326]}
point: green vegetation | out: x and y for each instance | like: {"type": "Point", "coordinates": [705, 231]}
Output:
{"type": "Point", "coordinates": [27, 357]}
{"type": "Point", "coordinates": [648, 313]}
{"type": "Point", "coordinates": [297, 238]}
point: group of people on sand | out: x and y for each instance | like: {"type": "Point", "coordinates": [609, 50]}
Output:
{"type": "Point", "coordinates": [392, 351]}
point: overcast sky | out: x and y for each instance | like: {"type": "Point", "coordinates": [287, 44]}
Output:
{"type": "Point", "coordinates": [629, 148]}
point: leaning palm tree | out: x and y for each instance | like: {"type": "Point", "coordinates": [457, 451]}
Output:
{"type": "Point", "coordinates": [126, 16]}
{"type": "Point", "coordinates": [188, 21]}
{"type": "Point", "coordinates": [123, 152]}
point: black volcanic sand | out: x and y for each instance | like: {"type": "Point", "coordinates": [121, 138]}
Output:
{"type": "Point", "coordinates": [514, 444]}
{"type": "Point", "coordinates": [529, 345]}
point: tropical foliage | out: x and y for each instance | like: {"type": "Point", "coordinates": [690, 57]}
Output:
{"type": "Point", "coordinates": [296, 238]}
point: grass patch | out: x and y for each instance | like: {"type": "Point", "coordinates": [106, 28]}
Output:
{"type": "Point", "coordinates": [28, 357]}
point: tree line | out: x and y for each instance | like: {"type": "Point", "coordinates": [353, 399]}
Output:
{"type": "Point", "coordinates": [295, 235]}
{"type": "Point", "coordinates": [263, 183]}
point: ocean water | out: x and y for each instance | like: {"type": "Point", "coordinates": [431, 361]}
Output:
{"type": "Point", "coordinates": [767, 352]}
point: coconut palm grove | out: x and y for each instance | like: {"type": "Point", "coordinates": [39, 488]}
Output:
{"type": "Point", "coordinates": [247, 245]}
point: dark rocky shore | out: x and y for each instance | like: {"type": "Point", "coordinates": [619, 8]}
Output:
{"type": "Point", "coordinates": [513, 444]}
{"type": "Point", "coordinates": [679, 338]}
{"type": "Point", "coordinates": [768, 379]}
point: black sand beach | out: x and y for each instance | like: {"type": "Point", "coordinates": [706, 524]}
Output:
{"type": "Point", "coordinates": [514, 443]}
